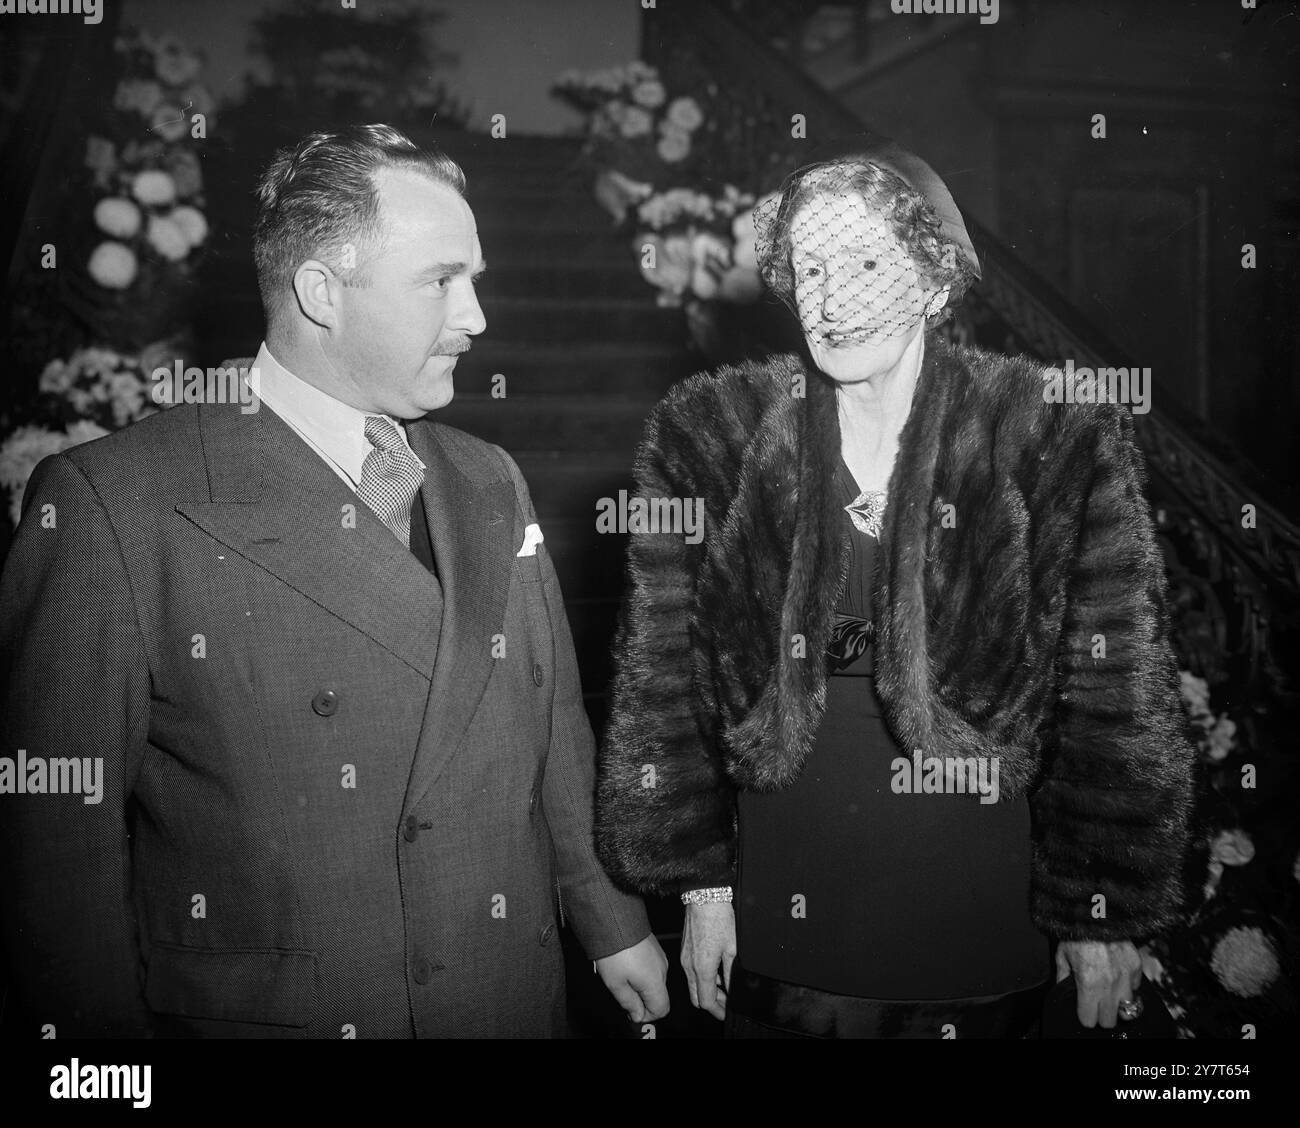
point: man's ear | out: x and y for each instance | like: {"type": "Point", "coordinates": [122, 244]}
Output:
{"type": "Point", "coordinates": [316, 288]}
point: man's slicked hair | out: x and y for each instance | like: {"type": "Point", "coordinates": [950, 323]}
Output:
{"type": "Point", "coordinates": [319, 200]}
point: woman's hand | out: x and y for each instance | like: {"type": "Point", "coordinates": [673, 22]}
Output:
{"type": "Point", "coordinates": [708, 951]}
{"type": "Point", "coordinates": [1105, 974]}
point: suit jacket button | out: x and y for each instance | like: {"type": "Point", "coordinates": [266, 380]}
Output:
{"type": "Point", "coordinates": [539, 675]}
{"type": "Point", "coordinates": [532, 801]}
{"type": "Point", "coordinates": [411, 831]}
{"type": "Point", "coordinates": [422, 971]}
{"type": "Point", "coordinates": [544, 937]}
{"type": "Point", "coordinates": [325, 703]}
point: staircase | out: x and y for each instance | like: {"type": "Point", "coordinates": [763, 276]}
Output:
{"type": "Point", "coordinates": [585, 352]}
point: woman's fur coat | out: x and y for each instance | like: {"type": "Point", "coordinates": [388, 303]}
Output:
{"type": "Point", "coordinates": [1019, 614]}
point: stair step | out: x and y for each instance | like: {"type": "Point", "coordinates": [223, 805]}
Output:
{"type": "Point", "coordinates": [580, 423]}
{"type": "Point", "coordinates": [598, 368]}
{"type": "Point", "coordinates": [539, 320]}
{"type": "Point", "coordinates": [589, 565]}
{"type": "Point", "coordinates": [583, 280]}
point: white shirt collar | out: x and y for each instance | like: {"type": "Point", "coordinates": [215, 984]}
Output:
{"type": "Point", "coordinates": [336, 431]}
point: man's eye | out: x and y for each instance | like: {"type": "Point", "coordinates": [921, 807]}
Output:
{"type": "Point", "coordinates": [443, 282]}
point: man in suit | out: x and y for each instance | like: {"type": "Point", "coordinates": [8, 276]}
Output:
{"type": "Point", "coordinates": [320, 658]}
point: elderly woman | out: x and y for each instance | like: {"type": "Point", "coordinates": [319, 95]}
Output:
{"type": "Point", "coordinates": [907, 715]}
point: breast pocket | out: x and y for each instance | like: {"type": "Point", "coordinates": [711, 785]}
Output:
{"type": "Point", "coordinates": [529, 568]}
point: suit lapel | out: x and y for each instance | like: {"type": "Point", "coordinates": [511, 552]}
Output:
{"type": "Point", "coordinates": [470, 510]}
{"type": "Point", "coordinates": [276, 503]}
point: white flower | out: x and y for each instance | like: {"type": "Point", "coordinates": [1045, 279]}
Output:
{"type": "Point", "coordinates": [141, 95]}
{"type": "Point", "coordinates": [704, 283]}
{"type": "Point", "coordinates": [117, 216]}
{"type": "Point", "coordinates": [616, 192]}
{"type": "Point", "coordinates": [674, 146]}
{"type": "Point", "coordinates": [672, 263]}
{"type": "Point", "coordinates": [98, 361]}
{"type": "Point", "coordinates": [711, 256]}
{"type": "Point", "coordinates": [197, 99]}
{"type": "Point", "coordinates": [192, 224]}
{"type": "Point", "coordinates": [19, 455]}
{"type": "Point", "coordinates": [1214, 874]}
{"type": "Point", "coordinates": [1195, 693]}
{"type": "Point", "coordinates": [175, 65]}
{"type": "Point", "coordinates": [83, 431]}
{"type": "Point", "coordinates": [636, 122]}
{"type": "Point", "coordinates": [1221, 738]}
{"type": "Point", "coordinates": [685, 114]}
{"type": "Point", "coordinates": [56, 377]}
{"type": "Point", "coordinates": [169, 123]}
{"type": "Point", "coordinates": [649, 93]}
{"type": "Point", "coordinates": [1245, 962]}
{"type": "Point", "coordinates": [167, 238]}
{"type": "Point", "coordinates": [112, 265]}
{"type": "Point", "coordinates": [126, 393]}
{"type": "Point", "coordinates": [153, 187]}
{"type": "Point", "coordinates": [186, 172]}
{"type": "Point", "coordinates": [1232, 847]}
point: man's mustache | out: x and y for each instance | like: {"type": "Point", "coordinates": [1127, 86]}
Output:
{"type": "Point", "coordinates": [452, 348]}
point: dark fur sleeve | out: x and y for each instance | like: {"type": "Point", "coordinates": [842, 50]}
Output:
{"type": "Point", "coordinates": [1112, 812]}
{"type": "Point", "coordinates": [665, 812]}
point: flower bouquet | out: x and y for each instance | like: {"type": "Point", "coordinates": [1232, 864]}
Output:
{"type": "Point", "coordinates": [657, 180]}
{"type": "Point", "coordinates": [93, 392]}
{"type": "Point", "coordinates": [146, 224]}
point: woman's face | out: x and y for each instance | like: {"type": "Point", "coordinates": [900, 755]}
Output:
{"type": "Point", "coordinates": [860, 299]}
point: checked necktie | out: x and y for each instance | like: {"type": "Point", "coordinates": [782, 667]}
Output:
{"type": "Point", "coordinates": [391, 476]}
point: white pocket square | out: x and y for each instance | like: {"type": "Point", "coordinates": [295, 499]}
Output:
{"type": "Point", "coordinates": [532, 538]}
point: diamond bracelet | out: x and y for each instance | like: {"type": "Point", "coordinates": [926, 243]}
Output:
{"type": "Point", "coordinates": [707, 896]}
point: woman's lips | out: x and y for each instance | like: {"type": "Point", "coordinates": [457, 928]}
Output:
{"type": "Point", "coordinates": [837, 338]}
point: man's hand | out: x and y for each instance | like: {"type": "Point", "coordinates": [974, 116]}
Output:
{"type": "Point", "coordinates": [708, 951]}
{"type": "Point", "coordinates": [638, 978]}
{"type": "Point", "coordinates": [1105, 975]}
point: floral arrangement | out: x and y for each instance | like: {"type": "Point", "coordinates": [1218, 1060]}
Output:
{"type": "Point", "coordinates": [654, 177]}
{"type": "Point", "coordinates": [695, 246]}
{"type": "Point", "coordinates": [1227, 969]}
{"type": "Point", "coordinates": [93, 392]}
{"type": "Point", "coordinates": [147, 222]}
{"type": "Point", "coordinates": [632, 125]}
{"type": "Point", "coordinates": [137, 225]}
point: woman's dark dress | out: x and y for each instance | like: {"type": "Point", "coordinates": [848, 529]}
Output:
{"type": "Point", "coordinates": [847, 888]}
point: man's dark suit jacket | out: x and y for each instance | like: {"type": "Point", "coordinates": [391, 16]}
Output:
{"type": "Point", "coordinates": [341, 797]}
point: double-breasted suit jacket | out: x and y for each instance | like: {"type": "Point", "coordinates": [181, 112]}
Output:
{"type": "Point", "coordinates": [342, 795]}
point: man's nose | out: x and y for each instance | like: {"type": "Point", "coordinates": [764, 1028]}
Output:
{"type": "Point", "coordinates": [467, 316]}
